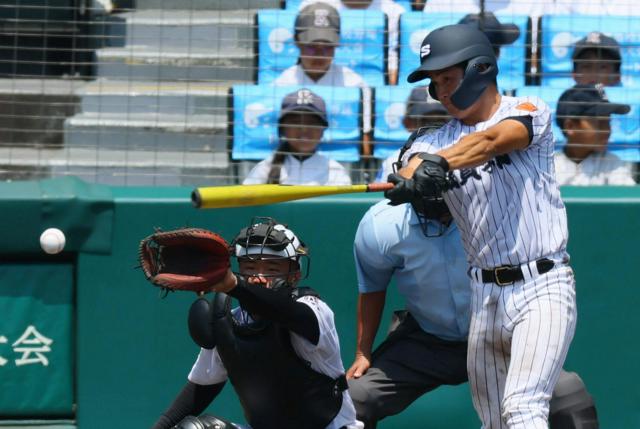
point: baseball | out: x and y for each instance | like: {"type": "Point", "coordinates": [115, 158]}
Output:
{"type": "Point", "coordinates": [52, 241]}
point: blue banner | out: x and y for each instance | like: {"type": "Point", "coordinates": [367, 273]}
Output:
{"type": "Point", "coordinates": [389, 133]}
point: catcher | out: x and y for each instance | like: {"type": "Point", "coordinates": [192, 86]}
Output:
{"type": "Point", "coordinates": [279, 348]}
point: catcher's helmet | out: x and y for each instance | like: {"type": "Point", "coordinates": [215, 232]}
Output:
{"type": "Point", "coordinates": [458, 44]}
{"type": "Point", "coordinates": [265, 237]}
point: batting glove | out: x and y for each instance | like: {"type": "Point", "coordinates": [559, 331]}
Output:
{"type": "Point", "coordinates": [404, 190]}
{"type": "Point", "coordinates": [431, 176]}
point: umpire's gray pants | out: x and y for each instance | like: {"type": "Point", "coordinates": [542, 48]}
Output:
{"type": "Point", "coordinates": [408, 364]}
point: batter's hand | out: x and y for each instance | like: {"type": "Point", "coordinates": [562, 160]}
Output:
{"type": "Point", "coordinates": [359, 366]}
{"type": "Point", "coordinates": [404, 190]}
{"type": "Point", "coordinates": [430, 176]}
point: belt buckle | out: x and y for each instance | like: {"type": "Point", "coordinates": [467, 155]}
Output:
{"type": "Point", "coordinates": [496, 275]}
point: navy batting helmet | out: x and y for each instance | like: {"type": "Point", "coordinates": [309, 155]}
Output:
{"type": "Point", "coordinates": [458, 44]}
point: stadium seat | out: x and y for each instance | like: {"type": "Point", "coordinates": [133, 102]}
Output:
{"type": "Point", "coordinates": [414, 26]}
{"type": "Point", "coordinates": [362, 43]}
{"type": "Point", "coordinates": [255, 121]}
{"type": "Point", "coordinates": [625, 129]}
{"type": "Point", "coordinates": [389, 133]}
{"type": "Point", "coordinates": [559, 33]}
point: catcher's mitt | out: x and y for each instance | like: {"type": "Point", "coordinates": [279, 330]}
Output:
{"type": "Point", "coordinates": [189, 259]}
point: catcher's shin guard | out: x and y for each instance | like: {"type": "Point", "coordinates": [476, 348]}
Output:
{"type": "Point", "coordinates": [571, 406]}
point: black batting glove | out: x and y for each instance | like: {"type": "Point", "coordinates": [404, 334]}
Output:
{"type": "Point", "coordinates": [404, 190]}
{"type": "Point", "coordinates": [431, 176]}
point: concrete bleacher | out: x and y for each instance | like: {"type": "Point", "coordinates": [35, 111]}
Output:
{"type": "Point", "coordinates": [164, 89]}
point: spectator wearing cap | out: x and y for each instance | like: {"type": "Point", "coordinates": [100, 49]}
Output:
{"type": "Point", "coordinates": [498, 34]}
{"type": "Point", "coordinates": [391, 9]}
{"type": "Point", "coordinates": [422, 112]}
{"type": "Point", "coordinates": [583, 115]}
{"type": "Point", "coordinates": [317, 34]}
{"type": "Point", "coordinates": [597, 59]}
{"type": "Point", "coordinates": [301, 124]}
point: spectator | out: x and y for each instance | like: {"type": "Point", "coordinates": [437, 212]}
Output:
{"type": "Point", "coordinates": [597, 59]}
{"type": "Point", "coordinates": [390, 8]}
{"type": "Point", "coordinates": [422, 112]}
{"type": "Point", "coordinates": [498, 34]}
{"type": "Point", "coordinates": [583, 114]}
{"type": "Point", "coordinates": [317, 33]}
{"type": "Point", "coordinates": [301, 124]}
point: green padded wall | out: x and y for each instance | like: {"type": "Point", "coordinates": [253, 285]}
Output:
{"type": "Point", "coordinates": [132, 347]}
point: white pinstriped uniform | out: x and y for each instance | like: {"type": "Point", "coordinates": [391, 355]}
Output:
{"type": "Point", "coordinates": [509, 212]}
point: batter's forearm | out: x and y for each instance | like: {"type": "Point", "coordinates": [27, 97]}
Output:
{"type": "Point", "coordinates": [477, 148]}
{"type": "Point", "coordinates": [370, 306]}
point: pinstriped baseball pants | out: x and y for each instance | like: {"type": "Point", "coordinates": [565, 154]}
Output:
{"type": "Point", "coordinates": [518, 341]}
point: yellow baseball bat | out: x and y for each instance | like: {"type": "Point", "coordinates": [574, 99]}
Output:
{"type": "Point", "coordinates": [215, 197]}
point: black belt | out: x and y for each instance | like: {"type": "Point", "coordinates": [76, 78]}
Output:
{"type": "Point", "coordinates": [506, 275]}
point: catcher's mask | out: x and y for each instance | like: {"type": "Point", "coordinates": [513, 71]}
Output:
{"type": "Point", "coordinates": [266, 239]}
{"type": "Point", "coordinates": [425, 207]}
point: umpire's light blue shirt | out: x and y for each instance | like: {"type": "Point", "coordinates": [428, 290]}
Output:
{"type": "Point", "coordinates": [430, 272]}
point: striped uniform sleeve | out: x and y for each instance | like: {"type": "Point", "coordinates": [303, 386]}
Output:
{"type": "Point", "coordinates": [373, 267]}
{"type": "Point", "coordinates": [429, 143]}
{"type": "Point", "coordinates": [540, 115]}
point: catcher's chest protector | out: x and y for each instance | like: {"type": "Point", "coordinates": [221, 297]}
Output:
{"type": "Point", "coordinates": [275, 386]}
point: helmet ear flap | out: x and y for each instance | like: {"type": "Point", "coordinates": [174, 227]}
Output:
{"type": "Point", "coordinates": [432, 91]}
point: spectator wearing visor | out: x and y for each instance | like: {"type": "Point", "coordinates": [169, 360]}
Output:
{"type": "Point", "coordinates": [301, 125]}
{"type": "Point", "coordinates": [299, 380]}
{"type": "Point", "coordinates": [584, 116]}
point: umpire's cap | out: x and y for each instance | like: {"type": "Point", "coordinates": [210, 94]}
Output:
{"type": "Point", "coordinates": [458, 44]}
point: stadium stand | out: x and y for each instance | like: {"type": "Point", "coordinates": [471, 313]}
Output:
{"type": "Point", "coordinates": [255, 119]}
{"type": "Point", "coordinates": [138, 93]}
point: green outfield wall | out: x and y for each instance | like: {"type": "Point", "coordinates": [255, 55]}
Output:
{"type": "Point", "coordinates": [117, 353]}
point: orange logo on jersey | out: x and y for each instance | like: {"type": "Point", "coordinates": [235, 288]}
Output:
{"type": "Point", "coordinates": [527, 106]}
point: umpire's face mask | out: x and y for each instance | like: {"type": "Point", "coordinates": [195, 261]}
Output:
{"type": "Point", "coordinates": [435, 210]}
